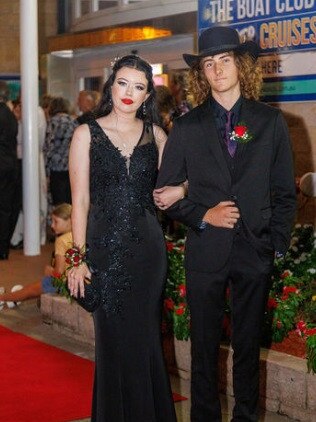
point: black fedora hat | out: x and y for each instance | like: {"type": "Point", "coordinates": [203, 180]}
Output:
{"type": "Point", "coordinates": [220, 39]}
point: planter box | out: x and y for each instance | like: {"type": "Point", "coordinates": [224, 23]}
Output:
{"type": "Point", "coordinates": [67, 317]}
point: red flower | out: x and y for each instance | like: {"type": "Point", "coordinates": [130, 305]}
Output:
{"type": "Point", "coordinates": [287, 290]}
{"type": "Point", "coordinates": [241, 133]}
{"type": "Point", "coordinates": [169, 304]}
{"type": "Point", "coordinates": [240, 130]}
{"type": "Point", "coordinates": [55, 274]}
{"type": "Point", "coordinates": [182, 290]}
{"type": "Point", "coordinates": [180, 309]}
{"type": "Point", "coordinates": [279, 324]}
{"type": "Point", "coordinates": [301, 327]}
{"type": "Point", "coordinates": [286, 273]}
{"type": "Point", "coordinates": [170, 246]}
{"type": "Point", "coordinates": [272, 303]}
{"type": "Point", "coordinates": [310, 332]}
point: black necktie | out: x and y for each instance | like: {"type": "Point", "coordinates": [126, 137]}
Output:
{"type": "Point", "coordinates": [231, 144]}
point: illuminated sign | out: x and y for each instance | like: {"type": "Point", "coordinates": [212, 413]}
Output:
{"type": "Point", "coordinates": [104, 37]}
{"type": "Point", "coordinates": [276, 25]}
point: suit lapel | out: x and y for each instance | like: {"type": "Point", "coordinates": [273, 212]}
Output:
{"type": "Point", "coordinates": [208, 125]}
{"type": "Point", "coordinates": [248, 118]}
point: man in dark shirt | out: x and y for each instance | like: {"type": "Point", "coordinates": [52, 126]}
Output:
{"type": "Point", "coordinates": [8, 169]}
{"type": "Point", "coordinates": [235, 154]}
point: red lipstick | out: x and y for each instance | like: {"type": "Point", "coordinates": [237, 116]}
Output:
{"type": "Point", "coordinates": [127, 101]}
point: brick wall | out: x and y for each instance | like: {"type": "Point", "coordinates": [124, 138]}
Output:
{"type": "Point", "coordinates": [10, 36]}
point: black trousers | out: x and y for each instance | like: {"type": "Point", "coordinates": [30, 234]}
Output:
{"type": "Point", "coordinates": [7, 191]}
{"type": "Point", "coordinates": [248, 276]}
{"type": "Point", "coordinates": [60, 187]}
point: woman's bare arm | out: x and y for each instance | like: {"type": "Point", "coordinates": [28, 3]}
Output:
{"type": "Point", "coordinates": [79, 167]}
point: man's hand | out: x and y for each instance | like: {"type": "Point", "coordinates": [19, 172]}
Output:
{"type": "Point", "coordinates": [225, 214]}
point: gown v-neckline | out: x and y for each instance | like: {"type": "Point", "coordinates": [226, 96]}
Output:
{"type": "Point", "coordinates": [126, 158]}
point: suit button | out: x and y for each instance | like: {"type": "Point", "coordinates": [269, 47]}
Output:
{"type": "Point", "coordinates": [233, 197]}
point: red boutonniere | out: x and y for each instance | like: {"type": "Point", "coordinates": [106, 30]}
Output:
{"type": "Point", "coordinates": [241, 133]}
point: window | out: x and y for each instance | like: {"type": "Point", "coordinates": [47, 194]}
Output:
{"type": "Point", "coordinates": [85, 7]}
{"type": "Point", "coordinates": [106, 4]}
{"type": "Point", "coordinates": [93, 83]}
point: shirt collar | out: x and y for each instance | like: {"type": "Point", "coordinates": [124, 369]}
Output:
{"type": "Point", "coordinates": [220, 111]}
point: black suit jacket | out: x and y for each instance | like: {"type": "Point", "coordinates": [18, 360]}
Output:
{"type": "Point", "coordinates": [262, 185]}
{"type": "Point", "coordinates": [8, 133]}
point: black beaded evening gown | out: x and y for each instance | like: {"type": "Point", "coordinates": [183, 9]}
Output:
{"type": "Point", "coordinates": [128, 257]}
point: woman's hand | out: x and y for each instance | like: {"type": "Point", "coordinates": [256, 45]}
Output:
{"type": "Point", "coordinates": [76, 277]}
{"type": "Point", "coordinates": [166, 196]}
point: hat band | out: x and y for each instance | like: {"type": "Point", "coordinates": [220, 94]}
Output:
{"type": "Point", "coordinates": [222, 48]}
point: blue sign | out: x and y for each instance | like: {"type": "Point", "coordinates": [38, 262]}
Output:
{"type": "Point", "coordinates": [276, 25]}
{"type": "Point", "coordinates": [299, 88]}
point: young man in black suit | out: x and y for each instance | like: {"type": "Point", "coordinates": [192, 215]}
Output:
{"type": "Point", "coordinates": [235, 154]}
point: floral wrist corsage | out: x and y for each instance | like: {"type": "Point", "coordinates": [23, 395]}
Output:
{"type": "Point", "coordinates": [75, 256]}
{"type": "Point", "coordinates": [241, 133]}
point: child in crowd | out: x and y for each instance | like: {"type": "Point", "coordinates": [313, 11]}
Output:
{"type": "Point", "coordinates": [61, 225]}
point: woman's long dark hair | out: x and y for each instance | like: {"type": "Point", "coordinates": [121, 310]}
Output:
{"type": "Point", "coordinates": [105, 105]}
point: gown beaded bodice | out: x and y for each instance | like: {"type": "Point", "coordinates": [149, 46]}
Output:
{"type": "Point", "coordinates": [118, 179]}
{"type": "Point", "coordinates": [121, 190]}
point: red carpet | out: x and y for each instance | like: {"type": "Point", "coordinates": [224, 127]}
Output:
{"type": "Point", "coordinates": [41, 383]}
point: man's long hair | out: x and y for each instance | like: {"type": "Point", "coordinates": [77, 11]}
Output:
{"type": "Point", "coordinates": [250, 78]}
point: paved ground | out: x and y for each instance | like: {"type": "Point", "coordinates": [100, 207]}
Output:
{"type": "Point", "coordinates": [26, 319]}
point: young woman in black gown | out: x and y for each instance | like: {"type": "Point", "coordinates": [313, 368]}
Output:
{"type": "Point", "coordinates": [114, 162]}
